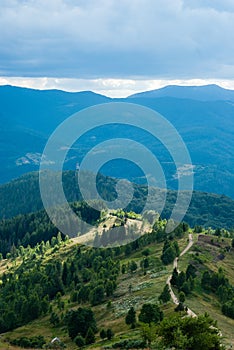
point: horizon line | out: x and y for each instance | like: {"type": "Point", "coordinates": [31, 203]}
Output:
{"type": "Point", "coordinates": [112, 88]}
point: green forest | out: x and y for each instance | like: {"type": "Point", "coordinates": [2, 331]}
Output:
{"type": "Point", "coordinates": [206, 209]}
{"type": "Point", "coordinates": [50, 282]}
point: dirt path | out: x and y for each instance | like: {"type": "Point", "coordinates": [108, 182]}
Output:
{"type": "Point", "coordinates": [173, 296]}
{"type": "Point", "coordinates": [188, 246]}
{"type": "Point", "coordinates": [175, 265]}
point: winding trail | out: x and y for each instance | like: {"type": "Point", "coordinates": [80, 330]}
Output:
{"type": "Point", "coordinates": [175, 265]}
{"type": "Point", "coordinates": [173, 296]}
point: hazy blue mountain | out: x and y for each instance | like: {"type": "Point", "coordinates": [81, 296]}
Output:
{"type": "Point", "coordinates": [27, 118]}
{"type": "Point", "coordinates": [43, 110]}
{"type": "Point", "coordinates": [202, 93]}
{"type": "Point", "coordinates": [206, 123]}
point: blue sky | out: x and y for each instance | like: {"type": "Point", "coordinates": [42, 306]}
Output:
{"type": "Point", "coordinates": [116, 46]}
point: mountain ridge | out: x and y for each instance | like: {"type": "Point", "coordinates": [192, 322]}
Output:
{"type": "Point", "coordinates": [29, 116]}
{"type": "Point", "coordinates": [207, 209]}
{"type": "Point", "coordinates": [210, 92]}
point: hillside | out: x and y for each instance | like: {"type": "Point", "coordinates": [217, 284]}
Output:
{"type": "Point", "coordinates": [111, 281]}
{"type": "Point", "coordinates": [202, 115]}
{"type": "Point", "coordinates": [27, 118]}
{"type": "Point", "coordinates": [205, 209]}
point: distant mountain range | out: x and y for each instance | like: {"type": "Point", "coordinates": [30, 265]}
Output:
{"type": "Point", "coordinates": [204, 116]}
{"type": "Point", "coordinates": [201, 93]}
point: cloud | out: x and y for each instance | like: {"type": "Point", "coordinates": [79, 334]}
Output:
{"type": "Point", "coordinates": [220, 6]}
{"type": "Point", "coordinates": [90, 39]}
{"type": "Point", "coordinates": [108, 87]}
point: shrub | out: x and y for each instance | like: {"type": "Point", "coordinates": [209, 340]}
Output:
{"type": "Point", "coordinates": [79, 341]}
{"type": "Point", "coordinates": [129, 344]}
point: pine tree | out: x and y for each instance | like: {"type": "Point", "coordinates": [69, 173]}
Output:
{"type": "Point", "coordinates": [150, 313]}
{"type": "Point", "coordinates": [182, 297]}
{"type": "Point", "coordinates": [181, 279]}
{"type": "Point", "coordinates": [146, 263]}
{"type": "Point", "coordinates": [133, 266]}
{"type": "Point", "coordinates": [165, 296]}
{"type": "Point", "coordinates": [109, 334]}
{"type": "Point", "coordinates": [54, 319]}
{"type": "Point", "coordinates": [169, 253]}
{"type": "Point", "coordinates": [97, 295]}
{"type": "Point", "coordinates": [65, 274]}
{"type": "Point", "coordinates": [177, 249]}
{"type": "Point", "coordinates": [103, 334]}
{"type": "Point", "coordinates": [130, 318]}
{"type": "Point", "coordinates": [90, 337]}
{"type": "Point", "coordinates": [174, 278]}
{"type": "Point", "coordinates": [206, 280]}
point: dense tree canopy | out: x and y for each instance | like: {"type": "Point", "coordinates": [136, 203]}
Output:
{"type": "Point", "coordinates": [150, 313]}
{"type": "Point", "coordinates": [188, 333]}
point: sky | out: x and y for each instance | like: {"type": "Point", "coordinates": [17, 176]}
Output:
{"type": "Point", "coordinates": [116, 47]}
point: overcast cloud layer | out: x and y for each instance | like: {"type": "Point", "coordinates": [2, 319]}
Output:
{"type": "Point", "coordinates": [91, 39]}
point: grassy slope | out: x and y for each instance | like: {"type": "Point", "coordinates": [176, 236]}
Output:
{"type": "Point", "coordinates": [200, 301]}
{"type": "Point", "coordinates": [145, 288]}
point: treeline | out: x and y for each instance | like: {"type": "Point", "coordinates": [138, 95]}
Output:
{"type": "Point", "coordinates": [30, 229]}
{"type": "Point", "coordinates": [184, 281]}
{"type": "Point", "coordinates": [205, 209]}
{"type": "Point", "coordinates": [22, 196]}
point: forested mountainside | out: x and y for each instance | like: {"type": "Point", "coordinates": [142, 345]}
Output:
{"type": "Point", "coordinates": [206, 209]}
{"type": "Point", "coordinates": [125, 297]}
{"type": "Point", "coordinates": [203, 117]}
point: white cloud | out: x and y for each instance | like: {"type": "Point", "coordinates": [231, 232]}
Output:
{"type": "Point", "coordinates": [107, 87]}
{"type": "Point", "coordinates": [220, 6]}
{"type": "Point", "coordinates": [120, 39]}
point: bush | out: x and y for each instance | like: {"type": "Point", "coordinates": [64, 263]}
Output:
{"type": "Point", "coordinates": [228, 309]}
{"type": "Point", "coordinates": [36, 342]}
{"type": "Point", "coordinates": [79, 341]}
{"type": "Point", "coordinates": [54, 319]}
{"type": "Point", "coordinates": [179, 307]}
{"type": "Point", "coordinates": [129, 344]}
